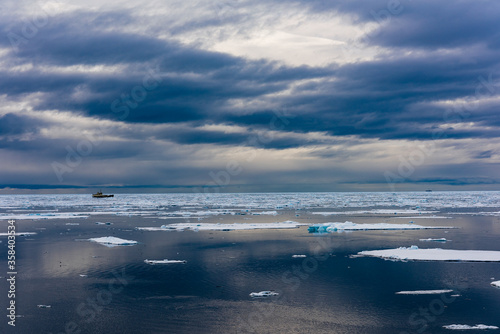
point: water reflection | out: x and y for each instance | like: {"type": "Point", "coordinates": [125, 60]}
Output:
{"type": "Point", "coordinates": [326, 292]}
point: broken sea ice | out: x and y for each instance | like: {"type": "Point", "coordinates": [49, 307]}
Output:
{"type": "Point", "coordinates": [263, 294]}
{"type": "Point", "coordinates": [165, 261]}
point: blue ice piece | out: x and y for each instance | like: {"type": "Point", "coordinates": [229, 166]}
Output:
{"type": "Point", "coordinates": [312, 229]}
{"type": "Point", "coordinates": [317, 229]}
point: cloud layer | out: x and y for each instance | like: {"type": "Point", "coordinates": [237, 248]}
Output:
{"type": "Point", "coordinates": [292, 95]}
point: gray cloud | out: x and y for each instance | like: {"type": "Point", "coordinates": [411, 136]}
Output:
{"type": "Point", "coordinates": [429, 76]}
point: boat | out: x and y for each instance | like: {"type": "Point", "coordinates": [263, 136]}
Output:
{"type": "Point", "coordinates": [99, 194]}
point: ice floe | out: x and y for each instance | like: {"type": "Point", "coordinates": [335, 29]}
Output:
{"type": "Point", "coordinates": [299, 255]}
{"type": "Point", "coordinates": [424, 217]}
{"type": "Point", "coordinates": [482, 213]}
{"type": "Point", "coordinates": [350, 226]}
{"type": "Point", "coordinates": [44, 306]}
{"type": "Point", "coordinates": [465, 327]}
{"type": "Point", "coordinates": [18, 234]}
{"type": "Point", "coordinates": [414, 253]}
{"type": "Point", "coordinates": [222, 227]}
{"type": "Point", "coordinates": [418, 204]}
{"type": "Point", "coordinates": [51, 215]}
{"type": "Point", "coordinates": [423, 292]}
{"type": "Point", "coordinates": [263, 294]}
{"type": "Point", "coordinates": [437, 239]}
{"type": "Point", "coordinates": [113, 241]}
{"type": "Point", "coordinates": [165, 261]}
{"type": "Point", "coordinates": [201, 213]}
{"type": "Point", "coordinates": [418, 201]}
{"type": "Point", "coordinates": [489, 213]}
{"type": "Point", "coordinates": [496, 284]}
{"type": "Point", "coordinates": [217, 212]}
{"type": "Point", "coordinates": [374, 211]}
{"type": "Point", "coordinates": [267, 213]}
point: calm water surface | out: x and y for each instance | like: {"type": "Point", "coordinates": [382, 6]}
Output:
{"type": "Point", "coordinates": [327, 292]}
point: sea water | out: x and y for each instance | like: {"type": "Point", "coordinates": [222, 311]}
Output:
{"type": "Point", "coordinates": [91, 288]}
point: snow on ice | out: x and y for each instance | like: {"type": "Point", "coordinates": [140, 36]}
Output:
{"type": "Point", "coordinates": [464, 327]}
{"type": "Point", "coordinates": [423, 292]}
{"type": "Point", "coordinates": [263, 294]}
{"type": "Point", "coordinates": [437, 239]}
{"type": "Point", "coordinates": [350, 226]}
{"type": "Point", "coordinates": [433, 254]}
{"type": "Point", "coordinates": [113, 241]}
{"type": "Point", "coordinates": [165, 261]}
{"type": "Point", "coordinates": [18, 234]}
{"type": "Point", "coordinates": [221, 227]}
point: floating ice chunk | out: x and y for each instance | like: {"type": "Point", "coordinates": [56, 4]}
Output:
{"type": "Point", "coordinates": [487, 213]}
{"type": "Point", "coordinates": [299, 255]}
{"type": "Point", "coordinates": [222, 227]}
{"type": "Point", "coordinates": [268, 213]}
{"type": "Point", "coordinates": [434, 254]}
{"type": "Point", "coordinates": [73, 224]}
{"type": "Point", "coordinates": [165, 261]}
{"type": "Point", "coordinates": [437, 240]}
{"type": "Point", "coordinates": [263, 294]}
{"type": "Point", "coordinates": [423, 292]}
{"type": "Point", "coordinates": [350, 226]}
{"type": "Point", "coordinates": [44, 306]}
{"type": "Point", "coordinates": [52, 215]}
{"type": "Point", "coordinates": [424, 217]}
{"type": "Point", "coordinates": [496, 284]}
{"type": "Point", "coordinates": [373, 211]}
{"type": "Point", "coordinates": [82, 275]}
{"type": "Point", "coordinates": [210, 212]}
{"type": "Point", "coordinates": [113, 241]}
{"type": "Point", "coordinates": [18, 234]}
{"type": "Point", "coordinates": [464, 327]}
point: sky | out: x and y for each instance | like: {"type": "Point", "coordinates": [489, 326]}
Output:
{"type": "Point", "coordinates": [249, 96]}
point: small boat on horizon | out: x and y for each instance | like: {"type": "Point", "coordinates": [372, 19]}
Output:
{"type": "Point", "coordinates": [99, 194]}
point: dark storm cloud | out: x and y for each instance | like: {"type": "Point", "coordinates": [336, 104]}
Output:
{"type": "Point", "coordinates": [63, 47]}
{"type": "Point", "coordinates": [430, 53]}
{"type": "Point", "coordinates": [194, 135]}
{"type": "Point", "coordinates": [484, 154]}
{"type": "Point", "coordinates": [458, 181]}
{"type": "Point", "coordinates": [426, 24]}
{"type": "Point", "coordinates": [12, 125]}
{"type": "Point", "coordinates": [195, 84]}
{"type": "Point", "coordinates": [41, 186]}
{"type": "Point", "coordinates": [384, 98]}
{"type": "Point", "coordinates": [430, 24]}
{"type": "Point", "coordinates": [19, 84]}
{"type": "Point", "coordinates": [379, 98]}
{"type": "Point", "coordinates": [76, 38]}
